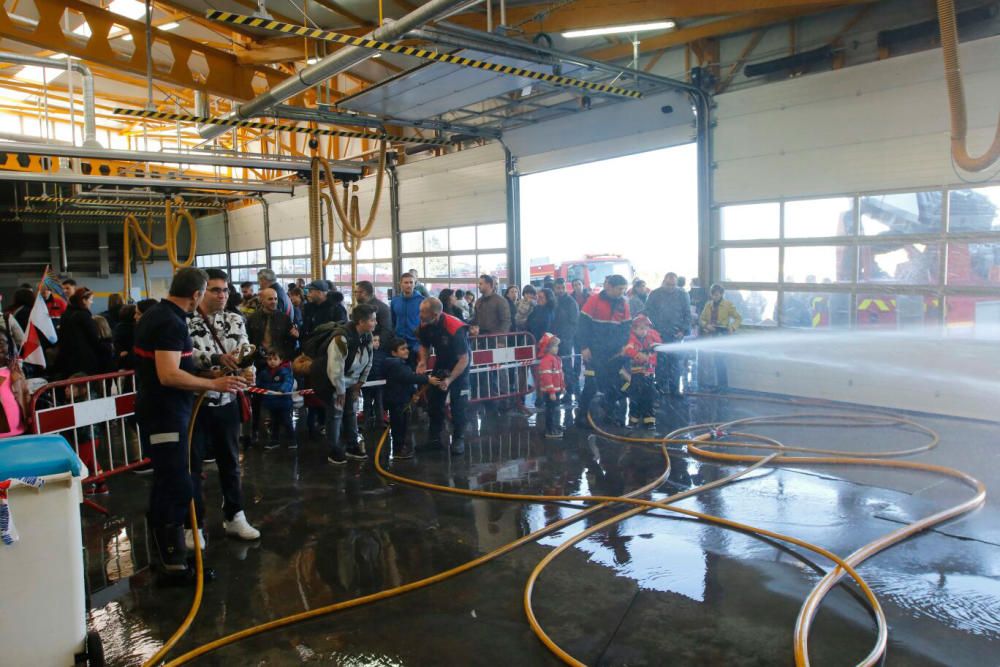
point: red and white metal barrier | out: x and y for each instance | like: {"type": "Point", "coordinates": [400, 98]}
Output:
{"type": "Point", "coordinates": [501, 366]}
{"type": "Point", "coordinates": [92, 414]}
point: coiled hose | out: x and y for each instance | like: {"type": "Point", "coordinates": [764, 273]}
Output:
{"type": "Point", "coordinates": [348, 213]}
{"type": "Point", "coordinates": [956, 95]}
{"type": "Point", "coordinates": [145, 245]}
{"type": "Point", "coordinates": [702, 441]}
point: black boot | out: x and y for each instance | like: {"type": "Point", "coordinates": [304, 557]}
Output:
{"type": "Point", "coordinates": [457, 446]}
{"type": "Point", "coordinates": [170, 547]}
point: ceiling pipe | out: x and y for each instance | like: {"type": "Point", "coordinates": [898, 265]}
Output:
{"type": "Point", "coordinates": [337, 62]}
{"type": "Point", "coordinates": [202, 158]}
{"type": "Point", "coordinates": [89, 107]}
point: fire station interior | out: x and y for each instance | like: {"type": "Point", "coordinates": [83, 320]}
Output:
{"type": "Point", "coordinates": [765, 234]}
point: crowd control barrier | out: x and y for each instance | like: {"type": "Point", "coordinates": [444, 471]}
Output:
{"type": "Point", "coordinates": [92, 413]}
{"type": "Point", "coordinates": [501, 366]}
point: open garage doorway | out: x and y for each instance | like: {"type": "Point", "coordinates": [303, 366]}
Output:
{"type": "Point", "coordinates": [635, 215]}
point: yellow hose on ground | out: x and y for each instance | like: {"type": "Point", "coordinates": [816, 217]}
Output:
{"type": "Point", "coordinates": [701, 446]}
{"type": "Point", "coordinates": [956, 95]}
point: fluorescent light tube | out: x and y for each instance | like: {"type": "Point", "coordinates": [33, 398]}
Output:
{"type": "Point", "coordinates": [618, 29]}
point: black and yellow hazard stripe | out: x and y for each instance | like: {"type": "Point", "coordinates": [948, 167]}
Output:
{"type": "Point", "coordinates": [274, 127]}
{"type": "Point", "coordinates": [137, 204]}
{"type": "Point", "coordinates": [416, 52]}
{"type": "Point", "coordinates": [91, 213]}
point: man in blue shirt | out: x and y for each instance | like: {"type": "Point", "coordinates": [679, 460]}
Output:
{"type": "Point", "coordinates": [405, 308]}
{"type": "Point", "coordinates": [165, 387]}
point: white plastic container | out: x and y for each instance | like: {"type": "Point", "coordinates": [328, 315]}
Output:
{"type": "Point", "coordinates": [42, 596]}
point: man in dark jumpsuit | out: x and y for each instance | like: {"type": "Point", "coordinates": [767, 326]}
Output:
{"type": "Point", "coordinates": [448, 336]}
{"type": "Point", "coordinates": [166, 388]}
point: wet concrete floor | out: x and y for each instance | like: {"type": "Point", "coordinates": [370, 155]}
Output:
{"type": "Point", "coordinates": [655, 589]}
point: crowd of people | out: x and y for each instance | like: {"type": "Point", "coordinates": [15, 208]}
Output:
{"type": "Point", "coordinates": [256, 352]}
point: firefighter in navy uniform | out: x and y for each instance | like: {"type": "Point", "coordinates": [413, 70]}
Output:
{"type": "Point", "coordinates": [603, 330]}
{"type": "Point", "coordinates": [165, 393]}
{"type": "Point", "coordinates": [448, 336]}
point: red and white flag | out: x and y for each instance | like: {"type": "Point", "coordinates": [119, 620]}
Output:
{"type": "Point", "coordinates": [39, 325]}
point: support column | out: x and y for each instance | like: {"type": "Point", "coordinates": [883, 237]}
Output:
{"type": "Point", "coordinates": [513, 218]}
{"type": "Point", "coordinates": [225, 231]}
{"type": "Point", "coordinates": [394, 233]}
{"type": "Point", "coordinates": [102, 249]}
{"type": "Point", "coordinates": [55, 257]}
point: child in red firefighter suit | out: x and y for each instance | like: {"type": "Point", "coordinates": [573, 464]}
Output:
{"type": "Point", "coordinates": [550, 383]}
{"type": "Point", "coordinates": [639, 371]}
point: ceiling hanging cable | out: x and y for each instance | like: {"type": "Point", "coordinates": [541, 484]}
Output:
{"type": "Point", "coordinates": [956, 96]}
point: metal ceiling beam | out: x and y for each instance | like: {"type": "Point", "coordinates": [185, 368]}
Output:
{"type": "Point", "coordinates": [205, 158]}
{"type": "Point", "coordinates": [226, 77]}
{"type": "Point", "coordinates": [175, 184]}
{"type": "Point", "coordinates": [336, 63]}
{"type": "Point", "coordinates": [325, 115]}
{"type": "Point", "coordinates": [594, 13]}
{"type": "Point", "coordinates": [703, 31]}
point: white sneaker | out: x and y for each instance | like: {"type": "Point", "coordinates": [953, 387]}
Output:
{"type": "Point", "coordinates": [189, 538]}
{"type": "Point", "coordinates": [241, 528]}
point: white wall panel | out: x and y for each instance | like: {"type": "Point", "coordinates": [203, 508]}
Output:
{"type": "Point", "coordinates": [463, 188]}
{"type": "Point", "coordinates": [629, 127]}
{"type": "Point", "coordinates": [882, 125]}
{"type": "Point", "coordinates": [211, 234]}
{"type": "Point", "coordinates": [246, 228]}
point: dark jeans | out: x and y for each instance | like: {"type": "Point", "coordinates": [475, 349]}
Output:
{"type": "Point", "coordinates": [373, 404]}
{"type": "Point", "coordinates": [459, 393]}
{"type": "Point", "coordinates": [668, 367]}
{"type": "Point", "coordinates": [173, 484]}
{"type": "Point", "coordinates": [216, 434]}
{"type": "Point", "coordinates": [399, 424]}
{"type": "Point", "coordinates": [314, 417]}
{"type": "Point", "coordinates": [551, 413]}
{"type": "Point", "coordinates": [281, 417]}
{"type": "Point", "coordinates": [341, 418]}
{"type": "Point", "coordinates": [602, 375]}
{"type": "Point", "coordinates": [640, 396]}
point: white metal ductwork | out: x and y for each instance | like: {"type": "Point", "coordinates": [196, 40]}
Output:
{"type": "Point", "coordinates": [89, 106]}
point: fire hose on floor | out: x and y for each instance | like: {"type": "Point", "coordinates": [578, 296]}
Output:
{"type": "Point", "coordinates": [702, 441]}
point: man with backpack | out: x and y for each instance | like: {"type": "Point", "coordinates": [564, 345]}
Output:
{"type": "Point", "coordinates": [341, 358]}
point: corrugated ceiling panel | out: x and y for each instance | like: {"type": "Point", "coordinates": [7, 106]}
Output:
{"type": "Point", "coordinates": [878, 126]}
{"type": "Point", "coordinates": [436, 88]}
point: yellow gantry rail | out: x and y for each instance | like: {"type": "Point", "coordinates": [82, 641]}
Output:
{"type": "Point", "coordinates": [274, 127]}
{"type": "Point", "coordinates": [416, 52]}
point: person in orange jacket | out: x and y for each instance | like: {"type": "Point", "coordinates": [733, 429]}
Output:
{"type": "Point", "coordinates": [640, 371]}
{"type": "Point", "coordinates": [550, 383]}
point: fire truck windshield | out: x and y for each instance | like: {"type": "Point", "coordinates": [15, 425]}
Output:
{"type": "Point", "coordinates": [602, 269]}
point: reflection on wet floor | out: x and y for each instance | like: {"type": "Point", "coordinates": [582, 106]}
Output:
{"type": "Point", "coordinates": [654, 589]}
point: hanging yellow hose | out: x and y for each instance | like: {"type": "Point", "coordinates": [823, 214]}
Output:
{"type": "Point", "coordinates": [956, 95]}
{"type": "Point", "coordinates": [701, 445]}
{"type": "Point", "coordinates": [145, 245]}
{"type": "Point", "coordinates": [348, 214]}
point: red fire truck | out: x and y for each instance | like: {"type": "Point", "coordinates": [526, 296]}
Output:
{"type": "Point", "coordinates": [592, 270]}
